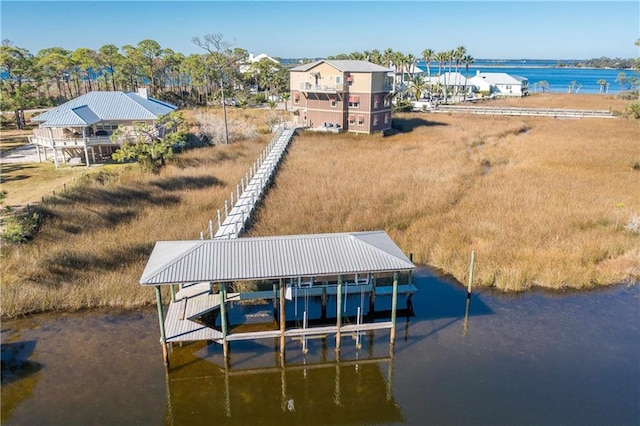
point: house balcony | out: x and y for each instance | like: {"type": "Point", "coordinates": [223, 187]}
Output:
{"type": "Point", "coordinates": [330, 88]}
{"type": "Point", "coordinates": [72, 142]}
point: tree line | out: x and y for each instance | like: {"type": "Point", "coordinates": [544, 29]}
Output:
{"type": "Point", "coordinates": [55, 75]}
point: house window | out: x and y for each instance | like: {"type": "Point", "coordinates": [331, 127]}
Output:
{"type": "Point", "coordinates": [375, 120]}
{"type": "Point", "coordinates": [332, 100]}
{"type": "Point", "coordinates": [106, 127]}
{"type": "Point", "coordinates": [387, 101]}
{"type": "Point", "coordinates": [361, 120]}
{"type": "Point", "coordinates": [376, 101]}
{"type": "Point", "coordinates": [354, 101]}
{"type": "Point", "coordinates": [338, 79]}
{"type": "Point", "coordinates": [387, 118]}
{"type": "Point", "coordinates": [352, 119]}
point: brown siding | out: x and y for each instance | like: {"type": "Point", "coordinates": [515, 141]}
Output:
{"type": "Point", "coordinates": [314, 107]}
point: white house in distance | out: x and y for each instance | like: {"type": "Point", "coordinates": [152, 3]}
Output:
{"type": "Point", "coordinates": [84, 124]}
{"type": "Point", "coordinates": [254, 59]}
{"type": "Point", "coordinates": [500, 84]}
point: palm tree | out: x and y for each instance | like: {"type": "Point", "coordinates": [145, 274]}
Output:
{"type": "Point", "coordinates": [375, 57]}
{"type": "Point", "coordinates": [398, 59]}
{"type": "Point", "coordinates": [411, 63]}
{"type": "Point", "coordinates": [441, 58]}
{"type": "Point", "coordinates": [387, 57]}
{"type": "Point", "coordinates": [458, 54]}
{"type": "Point", "coordinates": [466, 60]}
{"type": "Point", "coordinates": [450, 57]}
{"type": "Point", "coordinates": [427, 55]}
{"type": "Point", "coordinates": [417, 86]}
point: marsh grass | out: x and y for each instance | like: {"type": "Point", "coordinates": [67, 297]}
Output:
{"type": "Point", "coordinates": [534, 197]}
{"type": "Point", "coordinates": [96, 238]}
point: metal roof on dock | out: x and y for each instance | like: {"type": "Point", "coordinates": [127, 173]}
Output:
{"type": "Point", "coordinates": [273, 257]}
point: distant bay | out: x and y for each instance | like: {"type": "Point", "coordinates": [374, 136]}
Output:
{"type": "Point", "coordinates": [559, 78]}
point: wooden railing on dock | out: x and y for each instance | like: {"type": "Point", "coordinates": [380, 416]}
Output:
{"type": "Point", "coordinates": [242, 202]}
{"type": "Point", "coordinates": [542, 112]}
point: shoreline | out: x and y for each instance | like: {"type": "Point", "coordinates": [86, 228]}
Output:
{"type": "Point", "coordinates": [67, 272]}
{"type": "Point", "coordinates": [438, 274]}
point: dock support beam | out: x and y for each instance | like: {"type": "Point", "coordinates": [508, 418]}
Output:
{"type": "Point", "coordinates": [223, 318]}
{"type": "Point", "coordinates": [372, 299]}
{"type": "Point", "coordinates": [323, 310]}
{"type": "Point", "coordinates": [163, 334]}
{"type": "Point", "coordinates": [283, 320]}
{"type": "Point", "coordinates": [173, 293]}
{"type": "Point", "coordinates": [339, 312]}
{"type": "Point", "coordinates": [394, 302]}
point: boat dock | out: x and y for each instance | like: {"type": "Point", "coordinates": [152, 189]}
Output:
{"type": "Point", "coordinates": [211, 274]}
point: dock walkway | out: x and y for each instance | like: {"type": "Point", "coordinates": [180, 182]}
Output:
{"type": "Point", "coordinates": [541, 112]}
{"type": "Point", "coordinates": [254, 185]}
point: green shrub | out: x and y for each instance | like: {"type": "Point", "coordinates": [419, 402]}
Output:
{"type": "Point", "coordinates": [633, 110]}
{"type": "Point", "coordinates": [403, 106]}
{"type": "Point", "coordinates": [18, 229]}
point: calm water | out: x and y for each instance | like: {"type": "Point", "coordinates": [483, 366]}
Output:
{"type": "Point", "coordinates": [559, 79]}
{"type": "Point", "coordinates": [529, 359]}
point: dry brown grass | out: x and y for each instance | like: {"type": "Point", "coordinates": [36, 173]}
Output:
{"type": "Point", "coordinates": [97, 238]}
{"type": "Point", "coordinates": [564, 100]}
{"type": "Point", "coordinates": [534, 197]}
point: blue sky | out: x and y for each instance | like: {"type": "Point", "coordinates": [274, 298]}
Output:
{"type": "Point", "coordinates": [498, 29]}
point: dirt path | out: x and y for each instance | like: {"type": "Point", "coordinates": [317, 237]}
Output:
{"type": "Point", "coordinates": [20, 154]}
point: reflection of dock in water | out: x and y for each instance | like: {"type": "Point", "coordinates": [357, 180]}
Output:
{"type": "Point", "coordinates": [323, 386]}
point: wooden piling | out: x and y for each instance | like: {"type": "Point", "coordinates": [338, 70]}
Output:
{"type": "Point", "coordinates": [163, 335]}
{"type": "Point", "coordinates": [223, 318]}
{"type": "Point", "coordinates": [283, 317]}
{"type": "Point", "coordinates": [471, 266]}
{"type": "Point", "coordinates": [394, 302]}
{"type": "Point", "coordinates": [411, 271]}
{"type": "Point", "coordinates": [339, 312]}
{"type": "Point", "coordinates": [465, 326]}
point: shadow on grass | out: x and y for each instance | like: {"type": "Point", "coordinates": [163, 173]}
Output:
{"type": "Point", "coordinates": [87, 210]}
{"type": "Point", "coordinates": [118, 197]}
{"type": "Point", "coordinates": [406, 125]}
{"type": "Point", "coordinates": [187, 183]}
{"type": "Point", "coordinates": [7, 172]}
{"type": "Point", "coordinates": [69, 265]}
